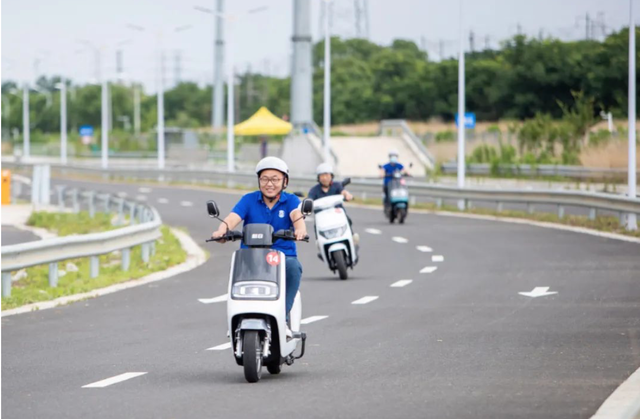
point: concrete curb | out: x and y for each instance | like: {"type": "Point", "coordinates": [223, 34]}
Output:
{"type": "Point", "coordinates": [195, 257]}
{"type": "Point", "coordinates": [624, 402]}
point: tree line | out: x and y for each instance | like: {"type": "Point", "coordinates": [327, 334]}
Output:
{"type": "Point", "coordinates": [525, 77]}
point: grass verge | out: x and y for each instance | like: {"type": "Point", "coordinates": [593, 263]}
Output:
{"type": "Point", "coordinates": [35, 286]}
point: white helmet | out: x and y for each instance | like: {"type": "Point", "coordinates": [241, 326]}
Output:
{"type": "Point", "coordinates": [324, 168]}
{"type": "Point", "coordinates": [393, 152]}
{"type": "Point", "coordinates": [272, 163]}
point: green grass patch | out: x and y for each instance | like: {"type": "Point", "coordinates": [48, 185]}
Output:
{"type": "Point", "coordinates": [65, 224]}
{"type": "Point", "coordinates": [35, 287]}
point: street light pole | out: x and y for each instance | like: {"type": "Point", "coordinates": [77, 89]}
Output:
{"type": "Point", "coordinates": [161, 111]}
{"type": "Point", "coordinates": [218, 76]}
{"type": "Point", "coordinates": [230, 104]}
{"type": "Point", "coordinates": [461, 118]}
{"type": "Point", "coordinates": [105, 125]}
{"type": "Point", "coordinates": [631, 218]}
{"type": "Point", "coordinates": [63, 121]}
{"type": "Point", "coordinates": [26, 128]}
{"type": "Point", "coordinates": [327, 83]}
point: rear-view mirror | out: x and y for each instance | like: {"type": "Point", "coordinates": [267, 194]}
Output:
{"type": "Point", "coordinates": [307, 206]}
{"type": "Point", "coordinates": [346, 182]}
{"type": "Point", "coordinates": [212, 209]}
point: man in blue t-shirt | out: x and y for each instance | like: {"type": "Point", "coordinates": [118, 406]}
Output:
{"type": "Point", "coordinates": [272, 205]}
{"type": "Point", "coordinates": [388, 170]}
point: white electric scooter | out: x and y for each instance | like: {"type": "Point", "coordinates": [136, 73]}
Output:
{"type": "Point", "coordinates": [256, 301]}
{"type": "Point", "coordinates": [334, 238]}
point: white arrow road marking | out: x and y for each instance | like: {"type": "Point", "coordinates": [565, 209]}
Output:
{"type": "Point", "coordinates": [163, 201]}
{"type": "Point", "coordinates": [400, 240]}
{"type": "Point", "coordinates": [365, 300]}
{"type": "Point", "coordinates": [312, 319]}
{"type": "Point", "coordinates": [424, 249]}
{"type": "Point", "coordinates": [114, 380]}
{"type": "Point", "coordinates": [221, 347]}
{"type": "Point", "coordinates": [218, 299]}
{"type": "Point", "coordinates": [437, 258]}
{"type": "Point", "coordinates": [428, 269]}
{"type": "Point", "coordinates": [538, 292]}
{"type": "Point", "coordinates": [373, 231]}
{"type": "Point", "coordinates": [144, 190]}
{"type": "Point", "coordinates": [402, 283]}
{"type": "Point", "coordinates": [186, 203]}
{"type": "Point", "coordinates": [141, 197]}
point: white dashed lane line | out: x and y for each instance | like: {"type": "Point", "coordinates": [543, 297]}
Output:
{"type": "Point", "coordinates": [144, 190]}
{"type": "Point", "coordinates": [141, 197]}
{"type": "Point", "coordinates": [217, 299]}
{"type": "Point", "coordinates": [186, 203]}
{"type": "Point", "coordinates": [365, 300]}
{"type": "Point", "coordinates": [400, 240]}
{"type": "Point", "coordinates": [121, 194]}
{"type": "Point", "coordinates": [428, 269]}
{"type": "Point", "coordinates": [312, 319]}
{"type": "Point", "coordinates": [373, 231]}
{"type": "Point", "coordinates": [221, 347]}
{"type": "Point", "coordinates": [163, 201]}
{"type": "Point", "coordinates": [424, 249]}
{"type": "Point", "coordinates": [437, 258]}
{"type": "Point", "coordinates": [114, 380]}
{"type": "Point", "coordinates": [402, 283]}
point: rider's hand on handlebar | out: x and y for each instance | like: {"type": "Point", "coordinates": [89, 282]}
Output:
{"type": "Point", "coordinates": [301, 233]}
{"type": "Point", "coordinates": [219, 233]}
{"type": "Point", "coordinates": [348, 196]}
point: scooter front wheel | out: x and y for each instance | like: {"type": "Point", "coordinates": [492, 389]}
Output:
{"type": "Point", "coordinates": [252, 356]}
{"type": "Point", "coordinates": [341, 264]}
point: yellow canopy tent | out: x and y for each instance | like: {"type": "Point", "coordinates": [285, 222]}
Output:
{"type": "Point", "coordinates": [263, 122]}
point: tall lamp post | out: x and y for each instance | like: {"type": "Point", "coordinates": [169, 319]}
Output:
{"type": "Point", "coordinates": [461, 118]}
{"type": "Point", "coordinates": [632, 223]}
{"type": "Point", "coordinates": [230, 18]}
{"type": "Point", "coordinates": [327, 81]}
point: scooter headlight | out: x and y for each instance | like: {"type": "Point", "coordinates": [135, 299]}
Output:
{"type": "Point", "coordinates": [254, 290]}
{"type": "Point", "coordinates": [333, 232]}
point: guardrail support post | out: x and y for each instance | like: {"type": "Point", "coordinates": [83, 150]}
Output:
{"type": "Point", "coordinates": [560, 211]}
{"type": "Point", "coordinates": [107, 202]}
{"type": "Point", "coordinates": [500, 206]}
{"type": "Point", "coordinates": [412, 201]}
{"type": "Point", "coordinates": [469, 204]}
{"type": "Point", "coordinates": [592, 213]}
{"type": "Point", "coordinates": [364, 196]}
{"type": "Point", "coordinates": [145, 252]}
{"type": "Point", "coordinates": [53, 274]}
{"type": "Point", "coordinates": [132, 213]}
{"type": "Point", "coordinates": [6, 284]}
{"type": "Point", "coordinates": [439, 203]}
{"type": "Point", "coordinates": [92, 204]}
{"type": "Point", "coordinates": [120, 211]}
{"type": "Point", "coordinates": [94, 267]}
{"type": "Point", "coordinates": [140, 213]}
{"type": "Point", "coordinates": [530, 208]}
{"type": "Point", "coordinates": [76, 204]}
{"type": "Point", "coordinates": [60, 189]}
{"type": "Point", "coordinates": [126, 259]}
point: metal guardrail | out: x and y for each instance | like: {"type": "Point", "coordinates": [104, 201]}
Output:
{"type": "Point", "coordinates": [420, 191]}
{"type": "Point", "coordinates": [394, 124]}
{"type": "Point", "coordinates": [144, 230]}
{"type": "Point", "coordinates": [550, 170]}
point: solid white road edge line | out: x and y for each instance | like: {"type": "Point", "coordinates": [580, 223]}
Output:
{"type": "Point", "coordinates": [428, 269]}
{"type": "Point", "coordinates": [365, 300]}
{"type": "Point", "coordinates": [312, 319]}
{"type": "Point", "coordinates": [195, 257]}
{"type": "Point", "coordinates": [221, 347]}
{"type": "Point", "coordinates": [218, 299]}
{"type": "Point", "coordinates": [114, 380]}
{"type": "Point", "coordinates": [624, 402]}
{"type": "Point", "coordinates": [437, 258]}
{"type": "Point", "coordinates": [401, 283]}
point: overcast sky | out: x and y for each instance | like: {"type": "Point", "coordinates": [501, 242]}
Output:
{"type": "Point", "coordinates": [44, 36]}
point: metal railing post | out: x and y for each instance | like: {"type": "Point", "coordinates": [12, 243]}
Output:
{"type": "Point", "coordinates": [61, 189]}
{"type": "Point", "coordinates": [126, 259]}
{"type": "Point", "coordinates": [76, 204]}
{"type": "Point", "coordinates": [592, 213]}
{"type": "Point", "coordinates": [91, 197]}
{"type": "Point", "coordinates": [94, 267]}
{"type": "Point", "coordinates": [560, 211]}
{"type": "Point", "coordinates": [6, 284]}
{"type": "Point", "coordinates": [53, 274]}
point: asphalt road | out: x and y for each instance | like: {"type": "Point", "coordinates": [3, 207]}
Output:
{"type": "Point", "coordinates": [458, 342]}
{"type": "Point", "coordinates": [12, 235]}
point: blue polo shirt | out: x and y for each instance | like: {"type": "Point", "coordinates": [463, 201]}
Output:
{"type": "Point", "coordinates": [253, 210]}
{"type": "Point", "coordinates": [389, 168]}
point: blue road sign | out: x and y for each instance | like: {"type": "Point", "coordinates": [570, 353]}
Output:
{"type": "Point", "coordinates": [469, 120]}
{"type": "Point", "coordinates": [86, 131]}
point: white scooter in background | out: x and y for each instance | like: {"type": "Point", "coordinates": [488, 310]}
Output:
{"type": "Point", "coordinates": [334, 238]}
{"type": "Point", "coordinates": [256, 301]}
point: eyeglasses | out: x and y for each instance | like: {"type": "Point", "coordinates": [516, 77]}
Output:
{"type": "Point", "coordinates": [274, 180]}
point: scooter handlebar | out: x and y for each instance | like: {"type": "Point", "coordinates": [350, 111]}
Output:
{"type": "Point", "coordinates": [229, 235]}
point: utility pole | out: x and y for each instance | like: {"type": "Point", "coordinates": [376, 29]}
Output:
{"type": "Point", "coordinates": [136, 110]}
{"type": "Point", "coordinates": [63, 121]}
{"type": "Point", "coordinates": [461, 118]}
{"type": "Point", "coordinates": [631, 218]}
{"type": "Point", "coordinates": [26, 128]}
{"type": "Point", "coordinates": [302, 72]}
{"type": "Point", "coordinates": [177, 67]}
{"type": "Point", "coordinates": [327, 81]}
{"type": "Point", "coordinates": [587, 26]}
{"type": "Point", "coordinates": [471, 41]}
{"type": "Point", "coordinates": [217, 111]}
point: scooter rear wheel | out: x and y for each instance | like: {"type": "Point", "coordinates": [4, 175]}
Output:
{"type": "Point", "coordinates": [252, 356]}
{"type": "Point", "coordinates": [402, 215]}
